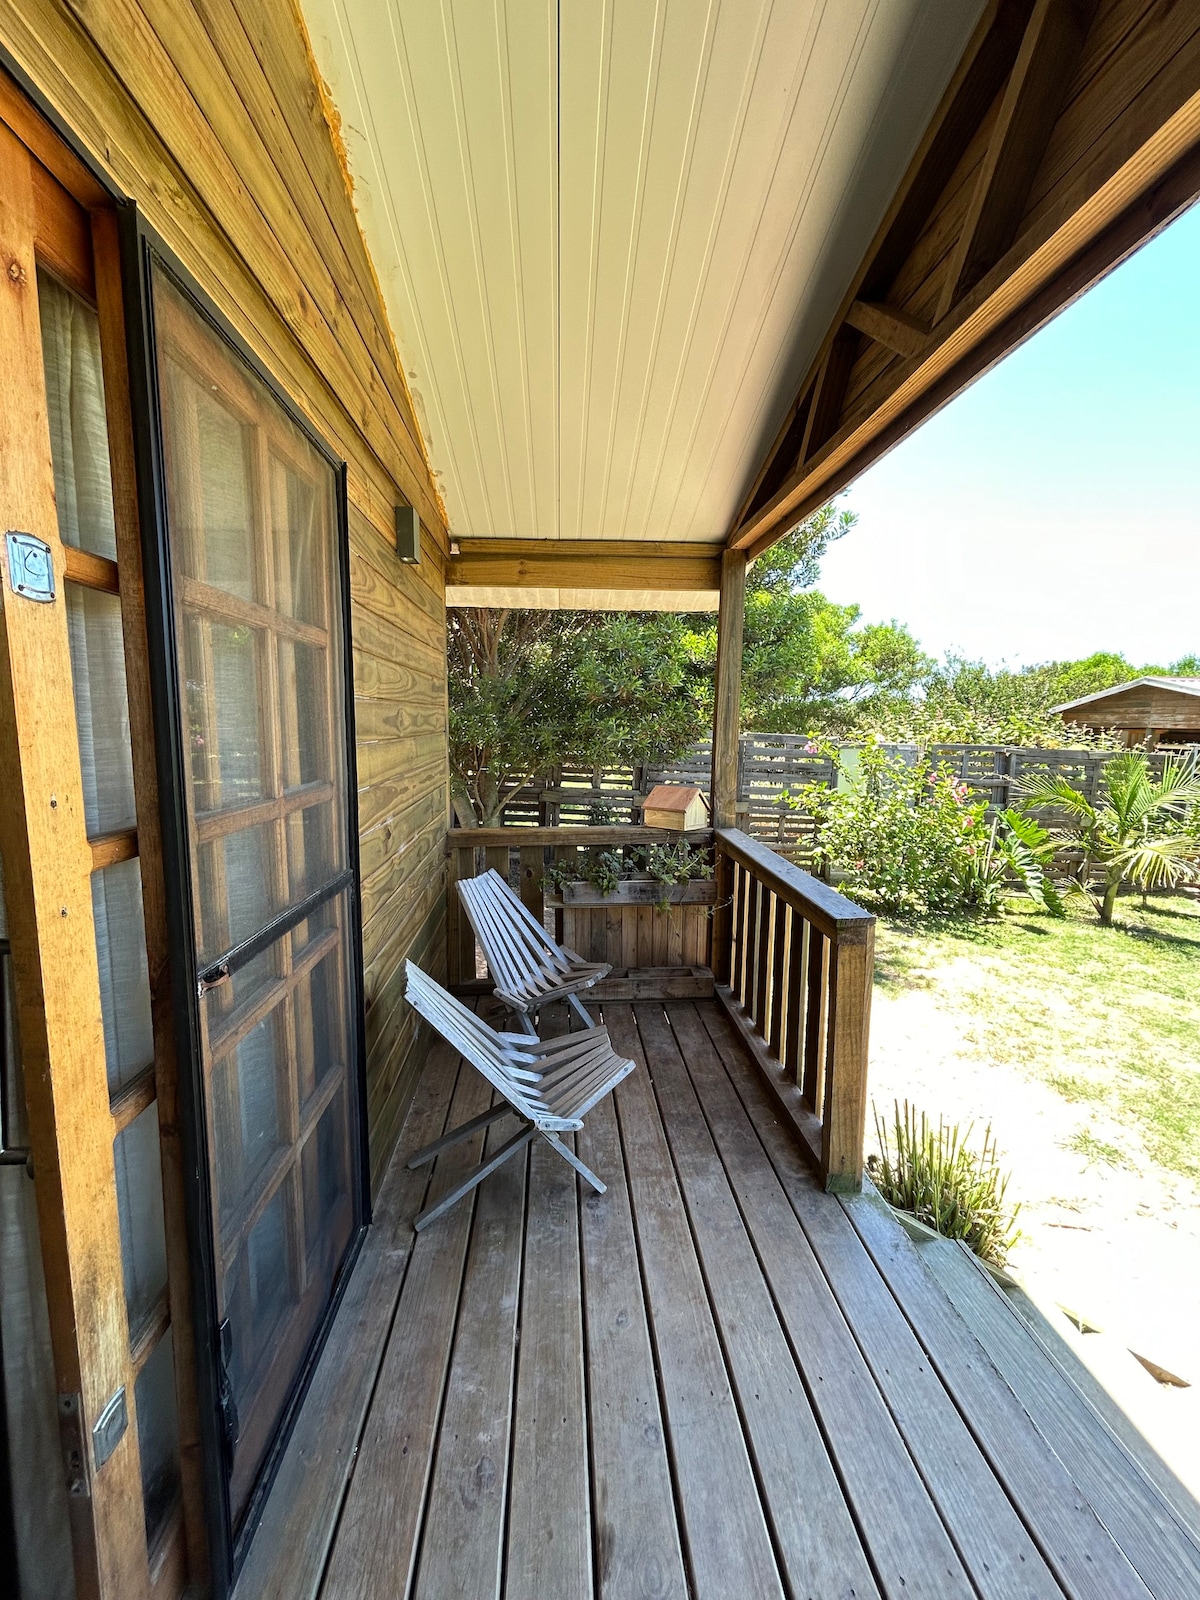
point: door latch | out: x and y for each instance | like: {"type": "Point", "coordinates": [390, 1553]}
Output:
{"type": "Point", "coordinates": [212, 979]}
{"type": "Point", "coordinates": [226, 1399]}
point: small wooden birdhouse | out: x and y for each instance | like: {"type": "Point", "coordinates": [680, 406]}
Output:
{"type": "Point", "coordinates": [675, 805]}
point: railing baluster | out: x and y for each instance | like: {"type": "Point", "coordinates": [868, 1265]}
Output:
{"type": "Point", "coordinates": [778, 987]}
{"type": "Point", "coordinates": [762, 974]}
{"type": "Point", "coordinates": [793, 1057]}
{"type": "Point", "coordinates": [817, 990]}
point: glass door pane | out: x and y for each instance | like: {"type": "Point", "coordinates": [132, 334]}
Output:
{"type": "Point", "coordinates": [253, 547]}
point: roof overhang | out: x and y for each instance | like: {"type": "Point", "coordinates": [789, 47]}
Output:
{"type": "Point", "coordinates": [610, 238]}
{"type": "Point", "coordinates": [1189, 688]}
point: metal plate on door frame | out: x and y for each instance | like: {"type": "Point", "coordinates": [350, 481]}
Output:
{"type": "Point", "coordinates": [30, 566]}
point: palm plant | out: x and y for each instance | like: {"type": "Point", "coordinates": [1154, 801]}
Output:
{"type": "Point", "coordinates": [1145, 831]}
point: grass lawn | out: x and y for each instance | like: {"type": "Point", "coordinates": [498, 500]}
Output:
{"type": "Point", "coordinates": [1080, 1045]}
{"type": "Point", "coordinates": [1107, 1017]}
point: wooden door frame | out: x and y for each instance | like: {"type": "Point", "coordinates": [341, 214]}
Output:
{"type": "Point", "coordinates": [141, 250]}
{"type": "Point", "coordinates": [181, 1555]}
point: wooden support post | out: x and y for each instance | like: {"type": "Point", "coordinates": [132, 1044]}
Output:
{"type": "Point", "coordinates": [843, 1123]}
{"type": "Point", "coordinates": [726, 724]}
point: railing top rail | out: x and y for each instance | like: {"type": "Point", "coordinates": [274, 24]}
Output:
{"type": "Point", "coordinates": [831, 912]}
{"type": "Point", "coordinates": [616, 834]}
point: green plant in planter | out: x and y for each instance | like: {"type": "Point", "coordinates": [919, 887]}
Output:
{"type": "Point", "coordinates": [936, 1176]}
{"type": "Point", "coordinates": [605, 869]}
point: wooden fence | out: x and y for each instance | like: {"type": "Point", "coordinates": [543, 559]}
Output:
{"type": "Point", "coordinates": [772, 767]}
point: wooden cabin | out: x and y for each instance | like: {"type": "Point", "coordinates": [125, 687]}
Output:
{"type": "Point", "coordinates": [316, 318]}
{"type": "Point", "coordinates": [1148, 711]}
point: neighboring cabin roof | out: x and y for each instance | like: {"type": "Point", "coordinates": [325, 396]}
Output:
{"type": "Point", "coordinates": [1187, 686]}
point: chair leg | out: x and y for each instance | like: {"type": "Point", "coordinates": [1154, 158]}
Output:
{"type": "Point", "coordinates": [517, 1142]}
{"type": "Point", "coordinates": [568, 1154]}
{"type": "Point", "coordinates": [574, 1001]}
{"type": "Point", "coordinates": [457, 1135]}
{"type": "Point", "coordinates": [526, 1023]}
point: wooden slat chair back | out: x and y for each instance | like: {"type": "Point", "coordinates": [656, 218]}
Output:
{"type": "Point", "coordinates": [550, 1085]}
{"type": "Point", "coordinates": [528, 969]}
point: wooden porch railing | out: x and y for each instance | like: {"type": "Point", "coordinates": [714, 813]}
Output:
{"type": "Point", "coordinates": [793, 961]}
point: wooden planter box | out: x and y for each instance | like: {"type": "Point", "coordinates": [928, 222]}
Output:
{"type": "Point", "coordinates": [643, 892]}
{"type": "Point", "coordinates": [627, 930]}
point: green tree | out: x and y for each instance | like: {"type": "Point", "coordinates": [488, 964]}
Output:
{"type": "Point", "coordinates": [808, 666]}
{"type": "Point", "coordinates": [531, 689]}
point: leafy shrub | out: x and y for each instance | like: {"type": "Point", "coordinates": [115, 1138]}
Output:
{"type": "Point", "coordinates": [906, 835]}
{"type": "Point", "coordinates": [956, 1191]}
{"type": "Point", "coordinates": [605, 869]}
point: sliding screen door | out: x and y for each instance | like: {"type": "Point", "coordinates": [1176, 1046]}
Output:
{"type": "Point", "coordinates": [253, 553]}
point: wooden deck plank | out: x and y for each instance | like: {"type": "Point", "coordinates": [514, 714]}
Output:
{"type": "Point", "coordinates": [728, 1545]}
{"type": "Point", "coordinates": [638, 1551]}
{"type": "Point", "coordinates": [1084, 1557]}
{"type": "Point", "coordinates": [1129, 1505]}
{"type": "Point", "coordinates": [992, 1540]}
{"type": "Point", "coordinates": [462, 1543]}
{"type": "Point", "coordinates": [909, 1547]}
{"type": "Point", "coordinates": [375, 1548]}
{"type": "Point", "coordinates": [549, 1549]}
{"type": "Point", "coordinates": [817, 1541]}
{"type": "Point", "coordinates": [291, 1547]}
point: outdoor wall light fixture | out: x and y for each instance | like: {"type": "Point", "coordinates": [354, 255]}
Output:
{"type": "Point", "coordinates": [408, 534]}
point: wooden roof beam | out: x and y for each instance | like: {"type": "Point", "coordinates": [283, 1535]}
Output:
{"type": "Point", "coordinates": [1061, 210]}
{"type": "Point", "coordinates": [1037, 88]}
{"type": "Point", "coordinates": [602, 573]}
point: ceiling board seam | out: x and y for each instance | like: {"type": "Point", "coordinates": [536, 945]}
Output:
{"type": "Point", "coordinates": [766, 416]}
{"type": "Point", "coordinates": [649, 103]}
{"type": "Point", "coordinates": [786, 251]}
{"type": "Point", "coordinates": [477, 255]}
{"type": "Point", "coordinates": [748, 79]}
{"type": "Point", "coordinates": [430, 383]}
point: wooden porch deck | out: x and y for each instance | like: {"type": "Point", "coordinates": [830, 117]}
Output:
{"type": "Point", "coordinates": [715, 1380]}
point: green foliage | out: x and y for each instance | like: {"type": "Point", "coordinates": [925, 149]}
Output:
{"type": "Point", "coordinates": [1145, 831]}
{"type": "Point", "coordinates": [532, 689]}
{"type": "Point", "coordinates": [956, 1191]}
{"type": "Point", "coordinates": [808, 663]}
{"type": "Point", "coordinates": [905, 835]}
{"type": "Point", "coordinates": [605, 869]}
{"type": "Point", "coordinates": [966, 702]}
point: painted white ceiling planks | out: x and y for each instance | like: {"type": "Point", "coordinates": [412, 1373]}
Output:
{"type": "Point", "coordinates": [612, 233]}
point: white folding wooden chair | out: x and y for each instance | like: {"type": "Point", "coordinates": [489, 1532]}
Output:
{"type": "Point", "coordinates": [549, 1084]}
{"type": "Point", "coordinates": [528, 969]}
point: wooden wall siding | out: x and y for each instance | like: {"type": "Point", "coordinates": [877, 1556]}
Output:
{"type": "Point", "coordinates": [1128, 118]}
{"type": "Point", "coordinates": [1140, 708]}
{"type": "Point", "coordinates": [206, 112]}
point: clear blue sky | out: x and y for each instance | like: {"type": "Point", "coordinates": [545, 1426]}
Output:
{"type": "Point", "coordinates": [1054, 508]}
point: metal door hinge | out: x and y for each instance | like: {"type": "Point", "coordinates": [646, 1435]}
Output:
{"type": "Point", "coordinates": [74, 1451]}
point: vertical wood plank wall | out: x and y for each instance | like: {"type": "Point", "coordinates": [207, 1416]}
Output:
{"type": "Point", "coordinates": [210, 117]}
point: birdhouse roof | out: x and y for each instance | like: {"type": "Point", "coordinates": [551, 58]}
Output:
{"type": "Point", "coordinates": [671, 797]}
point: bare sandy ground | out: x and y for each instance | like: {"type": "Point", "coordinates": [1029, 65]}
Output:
{"type": "Point", "coordinates": [1119, 1248]}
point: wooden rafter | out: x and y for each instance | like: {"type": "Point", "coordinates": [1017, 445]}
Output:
{"type": "Point", "coordinates": [1068, 136]}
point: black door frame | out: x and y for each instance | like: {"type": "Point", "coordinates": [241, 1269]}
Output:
{"type": "Point", "coordinates": [142, 252]}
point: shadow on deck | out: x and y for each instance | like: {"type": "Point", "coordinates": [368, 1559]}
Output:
{"type": "Point", "coordinates": [714, 1380]}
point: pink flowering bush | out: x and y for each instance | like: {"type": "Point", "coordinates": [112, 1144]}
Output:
{"type": "Point", "coordinates": [906, 835]}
